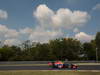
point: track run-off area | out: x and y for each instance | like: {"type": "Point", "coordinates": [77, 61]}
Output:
{"type": "Point", "coordinates": [80, 67]}
{"type": "Point", "coordinates": [42, 65]}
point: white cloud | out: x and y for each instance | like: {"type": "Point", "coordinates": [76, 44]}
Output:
{"type": "Point", "coordinates": [11, 42]}
{"type": "Point", "coordinates": [43, 14]}
{"type": "Point", "coordinates": [62, 18]}
{"type": "Point", "coordinates": [76, 30]}
{"type": "Point", "coordinates": [84, 37]}
{"type": "Point", "coordinates": [26, 30]}
{"type": "Point", "coordinates": [52, 23]}
{"type": "Point", "coordinates": [3, 28]}
{"type": "Point", "coordinates": [96, 7]}
{"type": "Point", "coordinates": [11, 33]}
{"type": "Point", "coordinates": [51, 26]}
{"type": "Point", "coordinates": [3, 14]}
{"type": "Point", "coordinates": [8, 33]}
{"type": "Point", "coordinates": [41, 35]}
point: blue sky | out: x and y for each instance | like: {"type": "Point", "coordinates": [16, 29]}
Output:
{"type": "Point", "coordinates": [20, 16]}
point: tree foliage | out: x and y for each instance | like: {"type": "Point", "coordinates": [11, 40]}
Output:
{"type": "Point", "coordinates": [97, 39]}
{"type": "Point", "coordinates": [58, 49]}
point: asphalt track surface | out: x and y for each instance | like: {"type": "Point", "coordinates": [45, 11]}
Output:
{"type": "Point", "coordinates": [81, 67]}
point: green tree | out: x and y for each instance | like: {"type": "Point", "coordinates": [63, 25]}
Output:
{"type": "Point", "coordinates": [97, 39]}
{"type": "Point", "coordinates": [26, 50]}
{"type": "Point", "coordinates": [6, 53]}
{"type": "Point", "coordinates": [89, 51]}
{"type": "Point", "coordinates": [17, 53]}
{"type": "Point", "coordinates": [65, 48]}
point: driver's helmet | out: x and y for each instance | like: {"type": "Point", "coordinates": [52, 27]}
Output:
{"type": "Point", "coordinates": [58, 62]}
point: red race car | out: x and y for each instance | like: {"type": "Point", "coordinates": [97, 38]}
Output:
{"type": "Point", "coordinates": [61, 65]}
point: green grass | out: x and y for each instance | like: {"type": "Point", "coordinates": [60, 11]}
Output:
{"type": "Point", "coordinates": [88, 63]}
{"type": "Point", "coordinates": [46, 72]}
{"type": "Point", "coordinates": [23, 64]}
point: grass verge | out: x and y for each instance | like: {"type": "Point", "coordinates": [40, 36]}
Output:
{"type": "Point", "coordinates": [88, 63]}
{"type": "Point", "coordinates": [23, 64]}
{"type": "Point", "coordinates": [47, 72]}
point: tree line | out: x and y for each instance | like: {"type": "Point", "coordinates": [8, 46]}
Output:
{"type": "Point", "coordinates": [58, 49]}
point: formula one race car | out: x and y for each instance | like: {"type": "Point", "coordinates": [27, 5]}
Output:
{"type": "Point", "coordinates": [61, 65]}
